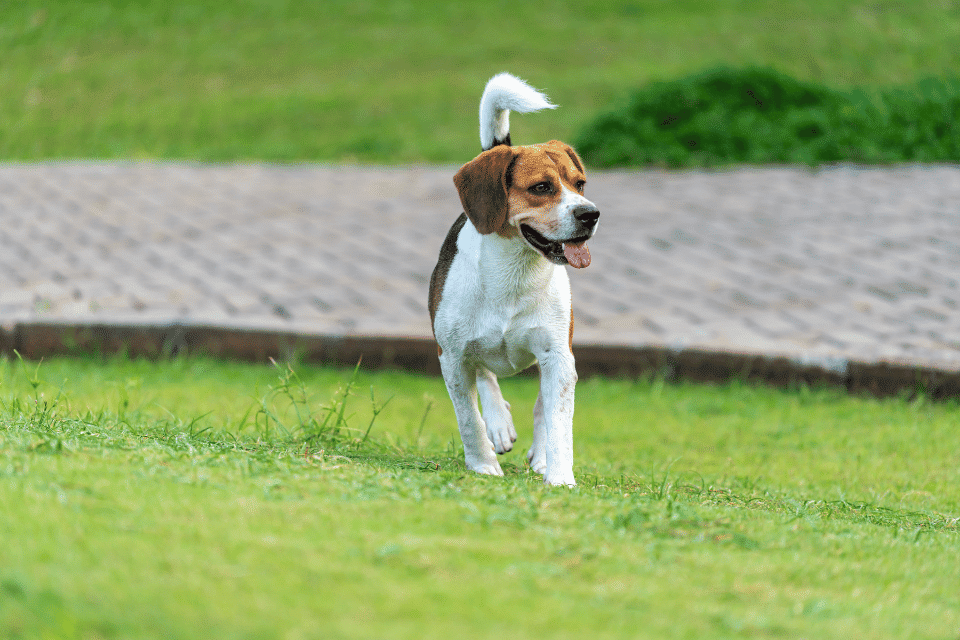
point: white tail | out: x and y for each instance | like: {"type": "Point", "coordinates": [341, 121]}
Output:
{"type": "Point", "coordinates": [503, 93]}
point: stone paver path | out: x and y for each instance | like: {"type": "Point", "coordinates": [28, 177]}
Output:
{"type": "Point", "coordinates": [822, 267]}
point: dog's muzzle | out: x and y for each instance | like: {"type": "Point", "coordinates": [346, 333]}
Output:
{"type": "Point", "coordinates": [572, 251]}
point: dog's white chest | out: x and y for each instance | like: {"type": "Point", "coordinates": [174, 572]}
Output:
{"type": "Point", "coordinates": [499, 311]}
{"type": "Point", "coordinates": [503, 342]}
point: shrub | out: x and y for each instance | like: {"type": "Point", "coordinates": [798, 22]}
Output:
{"type": "Point", "coordinates": [758, 116]}
{"type": "Point", "coordinates": [919, 123]}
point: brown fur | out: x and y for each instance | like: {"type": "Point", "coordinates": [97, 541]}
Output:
{"type": "Point", "coordinates": [514, 170]}
{"type": "Point", "coordinates": [447, 252]}
{"type": "Point", "coordinates": [482, 184]}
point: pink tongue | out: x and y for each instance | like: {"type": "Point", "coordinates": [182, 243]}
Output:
{"type": "Point", "coordinates": [577, 254]}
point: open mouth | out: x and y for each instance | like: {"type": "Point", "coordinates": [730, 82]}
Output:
{"type": "Point", "coordinates": [572, 251]}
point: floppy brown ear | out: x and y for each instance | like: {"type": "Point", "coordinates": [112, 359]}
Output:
{"type": "Point", "coordinates": [482, 184]}
{"type": "Point", "coordinates": [563, 147]}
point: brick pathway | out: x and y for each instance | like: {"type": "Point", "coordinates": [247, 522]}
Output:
{"type": "Point", "coordinates": [822, 267]}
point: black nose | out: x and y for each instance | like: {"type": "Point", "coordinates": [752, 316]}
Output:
{"type": "Point", "coordinates": [586, 215]}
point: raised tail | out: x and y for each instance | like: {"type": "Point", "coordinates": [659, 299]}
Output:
{"type": "Point", "coordinates": [502, 94]}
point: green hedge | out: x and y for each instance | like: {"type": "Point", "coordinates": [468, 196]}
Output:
{"type": "Point", "coordinates": [761, 116]}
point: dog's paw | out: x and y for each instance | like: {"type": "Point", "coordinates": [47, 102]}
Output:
{"type": "Point", "coordinates": [484, 462]}
{"type": "Point", "coordinates": [560, 479]}
{"type": "Point", "coordinates": [502, 434]}
{"type": "Point", "coordinates": [485, 468]}
{"type": "Point", "coordinates": [537, 458]}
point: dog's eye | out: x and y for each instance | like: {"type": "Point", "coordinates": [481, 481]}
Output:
{"type": "Point", "coordinates": [580, 184]}
{"type": "Point", "coordinates": [541, 187]}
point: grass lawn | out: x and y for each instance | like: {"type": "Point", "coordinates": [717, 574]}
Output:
{"type": "Point", "coordinates": [195, 498]}
{"type": "Point", "coordinates": [398, 81]}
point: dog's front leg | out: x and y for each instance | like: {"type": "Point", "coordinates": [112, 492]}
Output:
{"type": "Point", "coordinates": [461, 383]}
{"type": "Point", "coordinates": [558, 378]}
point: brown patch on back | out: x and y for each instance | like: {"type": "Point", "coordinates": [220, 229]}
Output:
{"type": "Point", "coordinates": [571, 328]}
{"type": "Point", "coordinates": [439, 276]}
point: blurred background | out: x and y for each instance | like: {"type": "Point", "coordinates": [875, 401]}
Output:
{"type": "Point", "coordinates": [397, 82]}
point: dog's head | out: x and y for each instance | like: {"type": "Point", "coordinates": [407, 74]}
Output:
{"type": "Point", "coordinates": [535, 193]}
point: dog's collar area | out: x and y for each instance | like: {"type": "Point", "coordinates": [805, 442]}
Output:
{"type": "Point", "coordinates": [552, 250]}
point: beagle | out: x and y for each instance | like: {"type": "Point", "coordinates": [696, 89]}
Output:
{"type": "Point", "coordinates": [499, 295]}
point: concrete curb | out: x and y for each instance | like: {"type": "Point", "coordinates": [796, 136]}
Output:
{"type": "Point", "coordinates": [35, 340]}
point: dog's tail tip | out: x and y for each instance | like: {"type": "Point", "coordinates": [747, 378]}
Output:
{"type": "Point", "coordinates": [517, 94]}
{"type": "Point", "coordinates": [504, 93]}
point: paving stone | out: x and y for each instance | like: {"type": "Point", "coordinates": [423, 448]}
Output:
{"type": "Point", "coordinates": [845, 262]}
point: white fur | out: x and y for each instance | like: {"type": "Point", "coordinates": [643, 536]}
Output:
{"type": "Point", "coordinates": [503, 93]}
{"type": "Point", "coordinates": [504, 308]}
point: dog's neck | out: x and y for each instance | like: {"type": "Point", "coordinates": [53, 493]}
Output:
{"type": "Point", "coordinates": [508, 266]}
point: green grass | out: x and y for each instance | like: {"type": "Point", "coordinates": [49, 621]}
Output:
{"type": "Point", "coordinates": [194, 498]}
{"type": "Point", "coordinates": [399, 81]}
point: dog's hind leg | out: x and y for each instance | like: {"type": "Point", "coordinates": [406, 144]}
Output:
{"type": "Point", "coordinates": [496, 412]}
{"type": "Point", "coordinates": [537, 455]}
{"type": "Point", "coordinates": [461, 383]}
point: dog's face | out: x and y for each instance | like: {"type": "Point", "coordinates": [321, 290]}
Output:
{"type": "Point", "coordinates": [533, 193]}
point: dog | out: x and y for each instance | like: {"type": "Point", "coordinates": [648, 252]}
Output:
{"type": "Point", "coordinates": [499, 296]}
